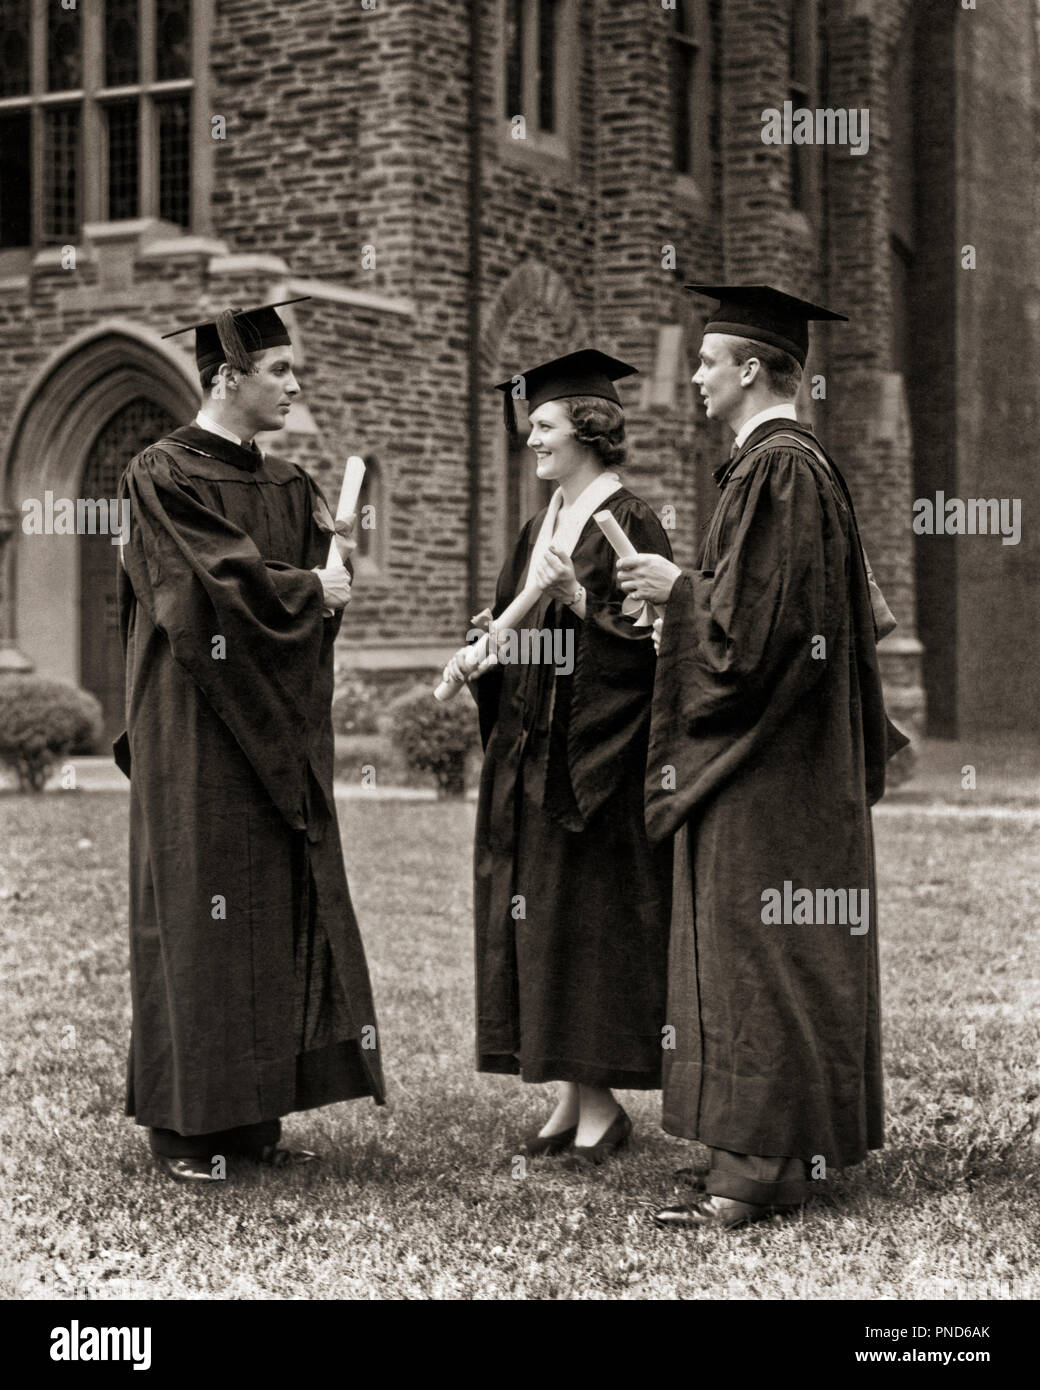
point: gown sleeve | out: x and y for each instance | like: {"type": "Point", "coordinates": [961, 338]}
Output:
{"type": "Point", "coordinates": [744, 641]}
{"type": "Point", "coordinates": [614, 666]}
{"type": "Point", "coordinates": [487, 691]}
{"type": "Point", "coordinates": [198, 577]}
{"type": "Point", "coordinates": [743, 634]}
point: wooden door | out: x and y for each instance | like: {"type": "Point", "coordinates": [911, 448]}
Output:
{"type": "Point", "coordinates": [130, 430]}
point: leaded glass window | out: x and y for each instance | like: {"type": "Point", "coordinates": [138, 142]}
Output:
{"type": "Point", "coordinates": [174, 121]}
{"type": "Point", "coordinates": [172, 39]}
{"type": "Point", "coordinates": [60, 173]}
{"type": "Point", "coordinates": [15, 179]}
{"type": "Point", "coordinates": [14, 48]}
{"type": "Point", "coordinates": [64, 53]}
{"type": "Point", "coordinates": [100, 93]}
{"type": "Point", "coordinates": [123, 125]}
{"type": "Point", "coordinates": [122, 33]}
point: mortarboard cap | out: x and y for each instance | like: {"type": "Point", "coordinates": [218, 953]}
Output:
{"type": "Point", "coordinates": [584, 373]}
{"type": "Point", "coordinates": [236, 333]}
{"type": "Point", "coordinates": [764, 315]}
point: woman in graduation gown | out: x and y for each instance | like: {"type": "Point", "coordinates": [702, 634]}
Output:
{"type": "Point", "coordinates": [571, 901]}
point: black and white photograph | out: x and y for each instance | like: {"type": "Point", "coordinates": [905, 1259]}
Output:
{"type": "Point", "coordinates": [520, 664]}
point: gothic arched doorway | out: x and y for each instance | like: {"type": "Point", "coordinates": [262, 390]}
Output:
{"type": "Point", "coordinates": [100, 399]}
{"type": "Point", "coordinates": [132, 428]}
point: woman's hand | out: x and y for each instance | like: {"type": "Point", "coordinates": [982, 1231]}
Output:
{"type": "Point", "coordinates": [460, 667]}
{"type": "Point", "coordinates": [648, 577]}
{"type": "Point", "coordinates": [555, 575]}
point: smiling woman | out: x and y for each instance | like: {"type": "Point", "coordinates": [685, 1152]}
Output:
{"type": "Point", "coordinates": [571, 903]}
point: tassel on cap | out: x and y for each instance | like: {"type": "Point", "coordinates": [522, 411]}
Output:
{"type": "Point", "coordinates": [236, 354]}
{"type": "Point", "coordinates": [237, 333]}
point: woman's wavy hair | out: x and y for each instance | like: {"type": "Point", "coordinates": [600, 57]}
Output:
{"type": "Point", "coordinates": [599, 424]}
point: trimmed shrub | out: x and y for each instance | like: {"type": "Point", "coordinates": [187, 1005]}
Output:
{"type": "Point", "coordinates": [435, 737]}
{"type": "Point", "coordinates": [41, 721]}
{"type": "Point", "coordinates": [356, 707]}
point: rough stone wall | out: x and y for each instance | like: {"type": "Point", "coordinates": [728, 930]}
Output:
{"type": "Point", "coordinates": [289, 81]}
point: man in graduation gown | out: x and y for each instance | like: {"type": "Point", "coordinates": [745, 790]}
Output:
{"type": "Point", "coordinates": [768, 747]}
{"type": "Point", "coordinates": [249, 983]}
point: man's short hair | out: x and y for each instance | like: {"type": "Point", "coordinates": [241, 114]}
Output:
{"type": "Point", "coordinates": [599, 424]}
{"type": "Point", "coordinates": [209, 375]}
{"type": "Point", "coordinates": [782, 373]}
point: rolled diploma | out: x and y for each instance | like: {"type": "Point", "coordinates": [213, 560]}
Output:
{"type": "Point", "coordinates": [621, 545]}
{"type": "Point", "coordinates": [353, 477]}
{"type": "Point", "coordinates": [509, 617]}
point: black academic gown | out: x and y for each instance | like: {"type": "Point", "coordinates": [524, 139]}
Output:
{"type": "Point", "coordinates": [767, 751]}
{"type": "Point", "coordinates": [571, 901]}
{"type": "Point", "coordinates": [250, 988]}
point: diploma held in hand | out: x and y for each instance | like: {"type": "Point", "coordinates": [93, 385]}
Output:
{"type": "Point", "coordinates": [623, 549]}
{"type": "Point", "coordinates": [353, 477]}
{"type": "Point", "coordinates": [478, 650]}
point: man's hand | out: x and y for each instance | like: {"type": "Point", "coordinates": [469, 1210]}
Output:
{"type": "Point", "coordinates": [345, 542]}
{"type": "Point", "coordinates": [555, 575]}
{"type": "Point", "coordinates": [648, 577]}
{"type": "Point", "coordinates": [335, 581]}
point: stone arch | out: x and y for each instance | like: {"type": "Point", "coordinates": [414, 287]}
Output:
{"type": "Point", "coordinates": [66, 406]}
{"type": "Point", "coordinates": [533, 285]}
{"type": "Point", "coordinates": [533, 317]}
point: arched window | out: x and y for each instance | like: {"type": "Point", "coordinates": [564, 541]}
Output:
{"type": "Point", "coordinates": [692, 93]}
{"type": "Point", "coordinates": [537, 72]}
{"type": "Point", "coordinates": [97, 117]}
{"type": "Point", "coordinates": [372, 527]}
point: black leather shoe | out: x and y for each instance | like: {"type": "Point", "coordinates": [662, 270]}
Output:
{"type": "Point", "coordinates": [703, 1213]}
{"type": "Point", "coordinates": [196, 1170]}
{"type": "Point", "coordinates": [534, 1144]}
{"type": "Point", "coordinates": [616, 1137]}
{"type": "Point", "coordinates": [274, 1156]}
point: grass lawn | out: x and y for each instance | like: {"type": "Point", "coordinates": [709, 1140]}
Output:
{"type": "Point", "coordinates": [420, 1199]}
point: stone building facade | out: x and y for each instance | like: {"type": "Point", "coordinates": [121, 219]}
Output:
{"type": "Point", "coordinates": [466, 189]}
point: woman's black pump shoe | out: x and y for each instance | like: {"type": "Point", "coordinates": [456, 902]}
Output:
{"type": "Point", "coordinates": [534, 1145]}
{"type": "Point", "coordinates": [617, 1135]}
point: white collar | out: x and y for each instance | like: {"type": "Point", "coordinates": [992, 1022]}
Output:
{"type": "Point", "coordinates": [206, 422]}
{"type": "Point", "coordinates": [771, 412]}
{"type": "Point", "coordinates": [574, 521]}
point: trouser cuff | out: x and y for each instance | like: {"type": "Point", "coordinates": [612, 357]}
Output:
{"type": "Point", "coordinates": [249, 1140]}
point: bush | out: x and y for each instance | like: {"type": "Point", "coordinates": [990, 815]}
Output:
{"type": "Point", "coordinates": [355, 707]}
{"type": "Point", "coordinates": [435, 737]}
{"type": "Point", "coordinates": [41, 721]}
